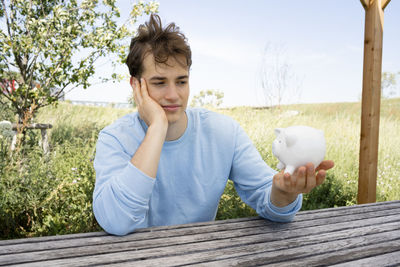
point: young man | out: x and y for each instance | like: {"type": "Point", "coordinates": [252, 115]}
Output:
{"type": "Point", "coordinates": [167, 164]}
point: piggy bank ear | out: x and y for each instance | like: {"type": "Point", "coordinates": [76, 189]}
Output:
{"type": "Point", "coordinates": [278, 131]}
{"type": "Point", "coordinates": [290, 140]}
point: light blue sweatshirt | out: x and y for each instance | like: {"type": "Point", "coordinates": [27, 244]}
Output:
{"type": "Point", "coordinates": [191, 177]}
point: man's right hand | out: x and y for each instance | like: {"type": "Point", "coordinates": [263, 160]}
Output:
{"type": "Point", "coordinates": [147, 156]}
{"type": "Point", "coordinates": [149, 110]}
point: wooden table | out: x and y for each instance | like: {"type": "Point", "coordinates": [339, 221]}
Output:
{"type": "Point", "coordinates": [362, 235]}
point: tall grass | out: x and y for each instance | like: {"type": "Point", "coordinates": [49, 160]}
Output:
{"type": "Point", "coordinates": [47, 194]}
{"type": "Point", "coordinates": [339, 121]}
{"type": "Point", "coordinates": [341, 124]}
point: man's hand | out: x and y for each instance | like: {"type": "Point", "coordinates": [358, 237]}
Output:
{"type": "Point", "coordinates": [147, 156]}
{"type": "Point", "coordinates": [286, 187]}
{"type": "Point", "coordinates": [149, 110]}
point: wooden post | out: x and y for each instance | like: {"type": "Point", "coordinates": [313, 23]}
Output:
{"type": "Point", "coordinates": [371, 99]}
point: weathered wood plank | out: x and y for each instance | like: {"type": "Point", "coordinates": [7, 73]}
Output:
{"type": "Point", "coordinates": [388, 259]}
{"type": "Point", "coordinates": [201, 241]}
{"type": "Point", "coordinates": [205, 227]}
{"type": "Point", "coordinates": [327, 253]}
{"type": "Point", "coordinates": [301, 216]}
{"type": "Point", "coordinates": [211, 241]}
{"type": "Point", "coordinates": [158, 239]}
{"type": "Point", "coordinates": [42, 126]}
{"type": "Point", "coordinates": [371, 255]}
{"type": "Point", "coordinates": [357, 207]}
{"type": "Point", "coordinates": [211, 250]}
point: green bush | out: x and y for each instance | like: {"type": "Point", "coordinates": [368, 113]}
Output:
{"type": "Point", "coordinates": [68, 206]}
{"type": "Point", "coordinates": [47, 194]}
{"type": "Point", "coordinates": [231, 206]}
{"type": "Point", "coordinates": [332, 193]}
{"type": "Point", "coordinates": [52, 194]}
{"type": "Point", "coordinates": [6, 111]}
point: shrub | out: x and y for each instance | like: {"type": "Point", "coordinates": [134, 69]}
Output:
{"type": "Point", "coordinates": [6, 111]}
{"type": "Point", "coordinates": [52, 194]}
{"type": "Point", "coordinates": [332, 193]}
{"type": "Point", "coordinates": [67, 208]}
{"type": "Point", "coordinates": [231, 206]}
{"type": "Point", "coordinates": [47, 194]}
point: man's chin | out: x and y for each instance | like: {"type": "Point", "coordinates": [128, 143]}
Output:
{"type": "Point", "coordinates": [174, 118]}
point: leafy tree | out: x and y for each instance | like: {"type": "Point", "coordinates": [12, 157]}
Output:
{"type": "Point", "coordinates": [388, 83]}
{"type": "Point", "coordinates": [208, 98]}
{"type": "Point", "coordinates": [51, 46]}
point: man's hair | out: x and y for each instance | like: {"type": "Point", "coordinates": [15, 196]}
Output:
{"type": "Point", "coordinates": [161, 42]}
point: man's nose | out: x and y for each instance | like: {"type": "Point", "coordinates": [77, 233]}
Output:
{"type": "Point", "coordinates": [172, 92]}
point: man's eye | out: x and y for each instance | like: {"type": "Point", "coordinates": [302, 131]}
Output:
{"type": "Point", "coordinates": [159, 83]}
{"type": "Point", "coordinates": [182, 82]}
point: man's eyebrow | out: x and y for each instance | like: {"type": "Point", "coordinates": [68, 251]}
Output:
{"type": "Point", "coordinates": [161, 78]}
{"type": "Point", "coordinates": [158, 78]}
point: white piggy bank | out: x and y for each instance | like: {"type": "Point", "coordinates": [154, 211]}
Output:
{"type": "Point", "coordinates": [297, 145]}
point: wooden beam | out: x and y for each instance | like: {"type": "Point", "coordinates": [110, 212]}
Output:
{"type": "Point", "coordinates": [385, 3]}
{"type": "Point", "coordinates": [371, 99]}
{"type": "Point", "coordinates": [365, 3]}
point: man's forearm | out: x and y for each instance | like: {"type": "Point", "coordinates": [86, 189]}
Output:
{"type": "Point", "coordinates": [147, 156]}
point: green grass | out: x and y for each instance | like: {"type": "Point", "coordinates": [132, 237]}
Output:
{"type": "Point", "coordinates": [339, 121]}
{"type": "Point", "coordinates": [341, 124]}
{"type": "Point", "coordinates": [52, 194]}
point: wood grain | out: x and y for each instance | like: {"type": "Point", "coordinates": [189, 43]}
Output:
{"type": "Point", "coordinates": [361, 234]}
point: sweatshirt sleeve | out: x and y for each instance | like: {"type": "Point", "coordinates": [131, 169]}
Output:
{"type": "Point", "coordinates": [122, 192]}
{"type": "Point", "coordinates": [252, 178]}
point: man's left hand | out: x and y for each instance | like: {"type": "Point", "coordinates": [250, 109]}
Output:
{"type": "Point", "coordinates": [286, 187]}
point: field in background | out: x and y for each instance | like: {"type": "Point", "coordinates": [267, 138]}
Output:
{"type": "Point", "coordinates": [52, 194]}
{"type": "Point", "coordinates": [341, 124]}
{"type": "Point", "coordinates": [339, 121]}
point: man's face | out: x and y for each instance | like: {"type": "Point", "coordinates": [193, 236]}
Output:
{"type": "Point", "coordinates": [168, 85]}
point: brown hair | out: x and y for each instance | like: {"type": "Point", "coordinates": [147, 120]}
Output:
{"type": "Point", "coordinates": [162, 43]}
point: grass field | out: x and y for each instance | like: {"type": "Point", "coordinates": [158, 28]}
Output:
{"type": "Point", "coordinates": [49, 194]}
{"type": "Point", "coordinates": [339, 121]}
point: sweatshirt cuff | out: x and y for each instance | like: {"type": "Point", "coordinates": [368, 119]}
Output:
{"type": "Point", "coordinates": [283, 214]}
{"type": "Point", "coordinates": [289, 208]}
{"type": "Point", "coordinates": [139, 182]}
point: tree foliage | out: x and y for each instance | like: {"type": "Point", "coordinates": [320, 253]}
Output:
{"type": "Point", "coordinates": [208, 98]}
{"type": "Point", "coordinates": [48, 47]}
{"type": "Point", "coordinates": [388, 83]}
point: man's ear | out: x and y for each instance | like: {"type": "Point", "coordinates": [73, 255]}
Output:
{"type": "Point", "coordinates": [278, 131]}
{"type": "Point", "coordinates": [290, 140]}
{"type": "Point", "coordinates": [132, 80]}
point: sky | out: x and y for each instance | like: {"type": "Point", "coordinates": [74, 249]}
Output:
{"type": "Point", "coordinates": [321, 41]}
